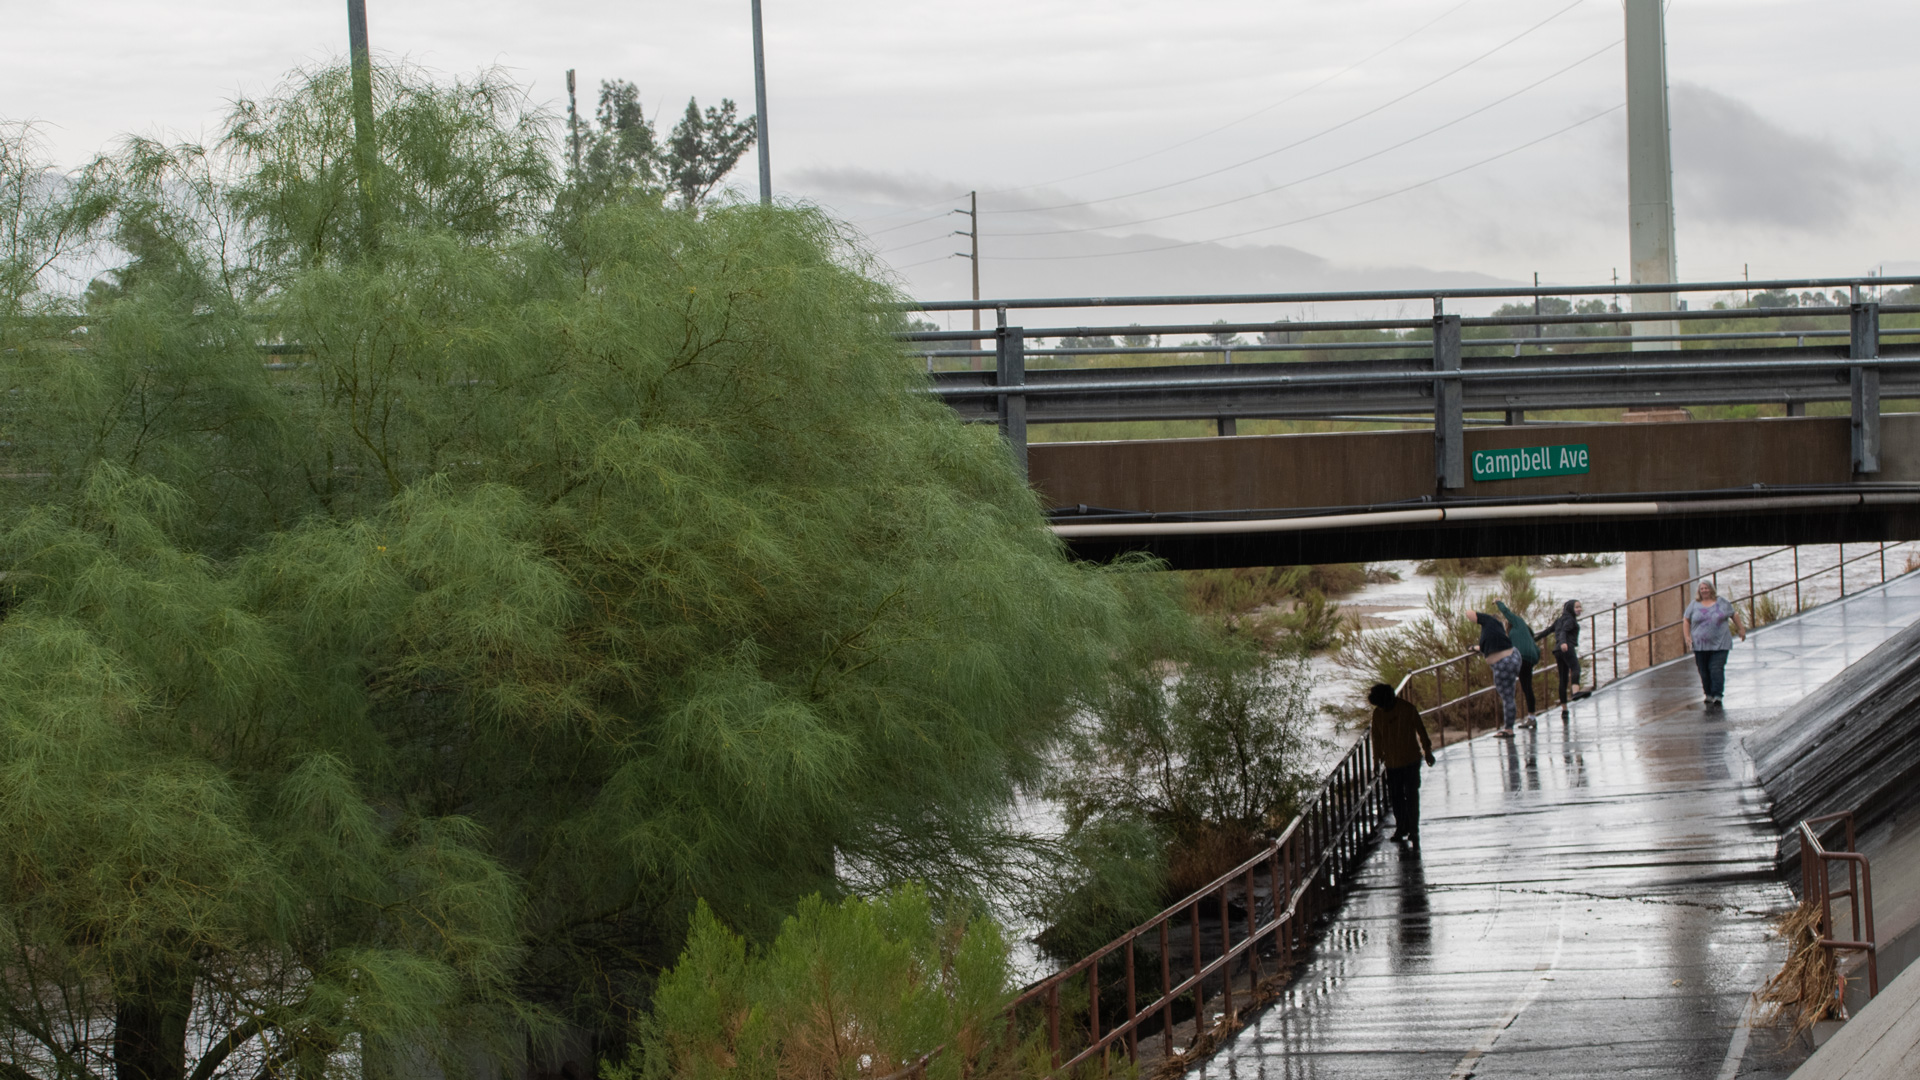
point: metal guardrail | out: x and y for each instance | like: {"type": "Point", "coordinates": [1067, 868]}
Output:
{"type": "Point", "coordinates": [1470, 677]}
{"type": "Point", "coordinates": [1302, 872]}
{"type": "Point", "coordinates": [1438, 385]}
{"type": "Point", "coordinates": [1816, 886]}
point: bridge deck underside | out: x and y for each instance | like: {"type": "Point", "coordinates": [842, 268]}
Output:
{"type": "Point", "coordinates": [1592, 899]}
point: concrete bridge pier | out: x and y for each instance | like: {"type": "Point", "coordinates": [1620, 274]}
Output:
{"type": "Point", "coordinates": [1665, 577]}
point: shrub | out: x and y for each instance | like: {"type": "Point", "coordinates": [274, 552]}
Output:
{"type": "Point", "coordinates": [1204, 756]}
{"type": "Point", "coordinates": [858, 987]}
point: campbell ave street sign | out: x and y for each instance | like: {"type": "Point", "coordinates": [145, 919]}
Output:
{"type": "Point", "coordinates": [1524, 461]}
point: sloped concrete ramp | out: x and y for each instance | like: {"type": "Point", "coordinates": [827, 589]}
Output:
{"type": "Point", "coordinates": [1593, 899]}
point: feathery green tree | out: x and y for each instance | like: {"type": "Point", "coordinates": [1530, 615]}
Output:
{"type": "Point", "coordinates": [399, 647]}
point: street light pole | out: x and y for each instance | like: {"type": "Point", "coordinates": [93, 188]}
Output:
{"type": "Point", "coordinates": [365, 150]}
{"type": "Point", "coordinates": [760, 108]}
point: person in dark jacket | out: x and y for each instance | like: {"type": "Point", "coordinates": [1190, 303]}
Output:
{"type": "Point", "coordinates": [1400, 742]}
{"type": "Point", "coordinates": [1566, 652]}
{"type": "Point", "coordinates": [1529, 652]}
{"type": "Point", "coordinates": [1497, 649]}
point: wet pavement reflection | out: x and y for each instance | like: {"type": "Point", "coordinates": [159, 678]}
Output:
{"type": "Point", "coordinates": [1591, 899]}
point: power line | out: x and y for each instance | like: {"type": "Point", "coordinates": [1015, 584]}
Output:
{"type": "Point", "coordinates": [1328, 171]}
{"type": "Point", "coordinates": [1326, 213]}
{"type": "Point", "coordinates": [923, 262]}
{"type": "Point", "coordinates": [1363, 61]}
{"type": "Point", "coordinates": [909, 224]}
{"type": "Point", "coordinates": [1257, 112]}
{"type": "Point", "coordinates": [1429, 84]}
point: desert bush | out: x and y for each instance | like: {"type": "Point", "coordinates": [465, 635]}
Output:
{"type": "Point", "coordinates": [1583, 561]}
{"type": "Point", "coordinates": [861, 987]}
{"type": "Point", "coordinates": [1764, 609]}
{"type": "Point", "coordinates": [1203, 754]}
{"type": "Point", "coordinates": [1389, 655]}
{"type": "Point", "coordinates": [1241, 589]}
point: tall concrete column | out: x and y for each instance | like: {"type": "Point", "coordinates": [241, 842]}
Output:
{"type": "Point", "coordinates": [1649, 165]}
{"type": "Point", "coordinates": [1667, 575]}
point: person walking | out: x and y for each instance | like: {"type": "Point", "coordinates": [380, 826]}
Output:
{"type": "Point", "coordinates": [1529, 652]}
{"type": "Point", "coordinates": [1497, 649]}
{"type": "Point", "coordinates": [1566, 652]}
{"type": "Point", "coordinates": [1400, 742]}
{"type": "Point", "coordinates": [1711, 623]}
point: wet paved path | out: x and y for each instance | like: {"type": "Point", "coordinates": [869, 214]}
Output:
{"type": "Point", "coordinates": [1591, 899]}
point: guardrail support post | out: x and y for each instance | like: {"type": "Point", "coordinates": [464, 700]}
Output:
{"type": "Point", "coordinates": [1449, 423]}
{"type": "Point", "coordinates": [1863, 343]}
{"type": "Point", "coordinates": [1010, 369]}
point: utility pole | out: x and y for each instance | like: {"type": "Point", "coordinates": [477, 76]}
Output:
{"type": "Point", "coordinates": [1536, 304]}
{"type": "Point", "coordinates": [365, 150]}
{"type": "Point", "coordinates": [1649, 163]}
{"type": "Point", "coordinates": [760, 109]}
{"type": "Point", "coordinates": [973, 232]}
{"type": "Point", "coordinates": [573, 123]}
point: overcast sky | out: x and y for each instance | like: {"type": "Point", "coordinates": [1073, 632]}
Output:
{"type": "Point", "coordinates": [1147, 145]}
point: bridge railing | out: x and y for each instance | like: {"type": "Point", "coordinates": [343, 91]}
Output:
{"type": "Point", "coordinates": [1472, 705]}
{"type": "Point", "coordinates": [1442, 383]}
{"type": "Point", "coordinates": [1226, 944]}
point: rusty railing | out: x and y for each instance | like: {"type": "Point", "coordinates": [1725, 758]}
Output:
{"type": "Point", "coordinates": [1816, 886]}
{"type": "Point", "coordinates": [1253, 920]}
{"type": "Point", "coordinates": [1471, 680]}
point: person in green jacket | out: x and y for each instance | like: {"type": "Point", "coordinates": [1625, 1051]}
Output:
{"type": "Point", "coordinates": [1529, 650]}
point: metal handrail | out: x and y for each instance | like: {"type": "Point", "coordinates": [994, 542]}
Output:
{"type": "Point", "coordinates": [1306, 863]}
{"type": "Point", "coordinates": [1612, 613]}
{"type": "Point", "coordinates": [1816, 884]}
{"type": "Point", "coordinates": [1436, 295]}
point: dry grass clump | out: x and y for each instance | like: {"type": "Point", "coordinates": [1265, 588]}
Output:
{"type": "Point", "coordinates": [1764, 609]}
{"type": "Point", "coordinates": [1807, 987]}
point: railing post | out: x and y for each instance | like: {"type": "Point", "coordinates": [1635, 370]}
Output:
{"type": "Point", "coordinates": [1053, 1022]}
{"type": "Point", "coordinates": [1253, 931]}
{"type": "Point", "coordinates": [1199, 984]}
{"type": "Point", "coordinates": [1010, 369]}
{"type": "Point", "coordinates": [1093, 1006]}
{"type": "Point", "coordinates": [1133, 1008]}
{"type": "Point", "coordinates": [1863, 343]}
{"type": "Point", "coordinates": [1166, 993]}
{"type": "Point", "coordinates": [1449, 423]}
{"type": "Point", "coordinates": [1226, 958]}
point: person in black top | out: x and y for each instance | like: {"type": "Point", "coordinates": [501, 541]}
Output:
{"type": "Point", "coordinates": [1399, 742]}
{"type": "Point", "coordinates": [1566, 652]}
{"type": "Point", "coordinates": [1498, 650]}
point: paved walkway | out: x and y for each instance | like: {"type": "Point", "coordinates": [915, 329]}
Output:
{"type": "Point", "coordinates": [1591, 900]}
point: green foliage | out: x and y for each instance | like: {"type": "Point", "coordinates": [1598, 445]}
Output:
{"type": "Point", "coordinates": [391, 702]}
{"type": "Point", "coordinates": [467, 160]}
{"type": "Point", "coordinates": [861, 987]}
{"type": "Point", "coordinates": [44, 217]}
{"type": "Point", "coordinates": [624, 157]}
{"type": "Point", "coordinates": [1202, 755]}
{"type": "Point", "coordinates": [704, 148]}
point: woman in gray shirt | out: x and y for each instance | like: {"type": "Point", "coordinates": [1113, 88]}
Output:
{"type": "Point", "coordinates": [1711, 624]}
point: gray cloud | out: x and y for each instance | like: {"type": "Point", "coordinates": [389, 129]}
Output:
{"type": "Point", "coordinates": [1734, 164]}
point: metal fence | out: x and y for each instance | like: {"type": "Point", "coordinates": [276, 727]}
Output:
{"type": "Point", "coordinates": [1467, 678]}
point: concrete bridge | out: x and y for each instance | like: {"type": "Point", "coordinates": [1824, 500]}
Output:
{"type": "Point", "coordinates": [1461, 484]}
